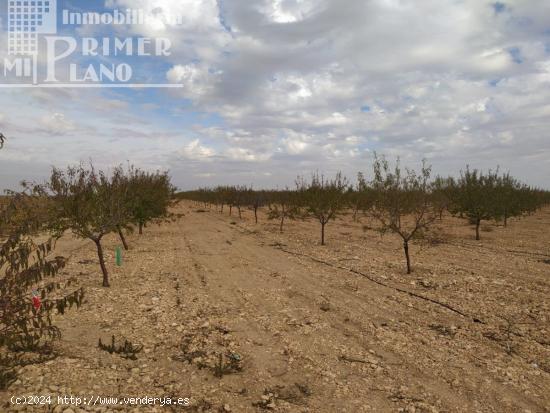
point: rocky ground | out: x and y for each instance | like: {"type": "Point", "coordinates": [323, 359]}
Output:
{"type": "Point", "coordinates": [239, 318]}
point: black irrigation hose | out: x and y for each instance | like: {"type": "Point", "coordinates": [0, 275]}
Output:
{"type": "Point", "coordinates": [412, 294]}
{"type": "Point", "coordinates": [515, 252]}
{"type": "Point", "coordinates": [374, 280]}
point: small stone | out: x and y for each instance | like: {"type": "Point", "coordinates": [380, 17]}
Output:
{"type": "Point", "coordinates": [226, 408]}
{"type": "Point", "coordinates": [325, 307]}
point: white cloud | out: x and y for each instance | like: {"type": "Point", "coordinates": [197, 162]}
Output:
{"type": "Point", "coordinates": [298, 85]}
{"type": "Point", "coordinates": [287, 11]}
{"type": "Point", "coordinates": [57, 123]}
{"type": "Point", "coordinates": [194, 150]}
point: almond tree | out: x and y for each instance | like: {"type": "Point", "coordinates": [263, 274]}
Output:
{"type": "Point", "coordinates": [87, 203]}
{"type": "Point", "coordinates": [360, 197]}
{"type": "Point", "coordinates": [256, 200]}
{"type": "Point", "coordinates": [441, 194]}
{"type": "Point", "coordinates": [283, 205]}
{"type": "Point", "coordinates": [323, 198]}
{"type": "Point", "coordinates": [149, 196]}
{"type": "Point", "coordinates": [401, 202]}
{"type": "Point", "coordinates": [121, 192]}
{"type": "Point", "coordinates": [239, 197]}
{"type": "Point", "coordinates": [475, 196]}
{"type": "Point", "coordinates": [27, 266]}
{"type": "Point", "coordinates": [222, 195]}
{"type": "Point", "coordinates": [510, 197]}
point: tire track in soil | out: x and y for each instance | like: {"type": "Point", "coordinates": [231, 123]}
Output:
{"type": "Point", "coordinates": [264, 303]}
{"type": "Point", "coordinates": [436, 385]}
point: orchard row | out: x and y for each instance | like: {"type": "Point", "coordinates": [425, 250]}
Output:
{"type": "Point", "coordinates": [86, 202]}
{"type": "Point", "coordinates": [403, 201]}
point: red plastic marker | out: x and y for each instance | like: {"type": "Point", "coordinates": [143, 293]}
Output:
{"type": "Point", "coordinates": [36, 301]}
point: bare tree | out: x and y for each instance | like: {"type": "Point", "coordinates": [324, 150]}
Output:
{"type": "Point", "coordinates": [283, 205]}
{"type": "Point", "coordinates": [323, 198]}
{"type": "Point", "coordinates": [255, 200]}
{"type": "Point", "coordinates": [401, 202]}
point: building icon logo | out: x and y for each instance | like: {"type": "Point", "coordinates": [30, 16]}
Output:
{"type": "Point", "coordinates": [36, 53]}
{"type": "Point", "coordinates": [26, 20]}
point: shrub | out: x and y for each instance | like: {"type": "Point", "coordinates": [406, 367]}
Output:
{"type": "Point", "coordinates": [127, 350]}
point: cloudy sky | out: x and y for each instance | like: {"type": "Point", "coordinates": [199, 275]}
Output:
{"type": "Point", "coordinates": [276, 88]}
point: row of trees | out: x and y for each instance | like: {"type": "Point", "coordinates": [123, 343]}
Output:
{"type": "Point", "coordinates": [404, 202]}
{"type": "Point", "coordinates": [90, 204]}
{"type": "Point", "coordinates": [93, 204]}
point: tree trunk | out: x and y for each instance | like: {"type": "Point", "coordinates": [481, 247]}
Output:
{"type": "Point", "coordinates": [230, 210]}
{"type": "Point", "coordinates": [256, 214]}
{"type": "Point", "coordinates": [505, 220]}
{"type": "Point", "coordinates": [239, 209]}
{"type": "Point", "coordinates": [121, 235]}
{"type": "Point", "coordinates": [355, 213]}
{"type": "Point", "coordinates": [478, 224]}
{"type": "Point", "coordinates": [407, 256]}
{"type": "Point", "coordinates": [323, 233]}
{"type": "Point", "coordinates": [282, 222]}
{"type": "Point", "coordinates": [141, 228]}
{"type": "Point", "coordinates": [102, 262]}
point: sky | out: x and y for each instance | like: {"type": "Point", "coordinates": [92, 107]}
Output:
{"type": "Point", "coordinates": [272, 89]}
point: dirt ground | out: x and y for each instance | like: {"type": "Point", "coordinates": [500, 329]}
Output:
{"type": "Point", "coordinates": [240, 318]}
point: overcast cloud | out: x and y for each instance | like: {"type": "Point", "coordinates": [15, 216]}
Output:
{"type": "Point", "coordinates": [277, 88]}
